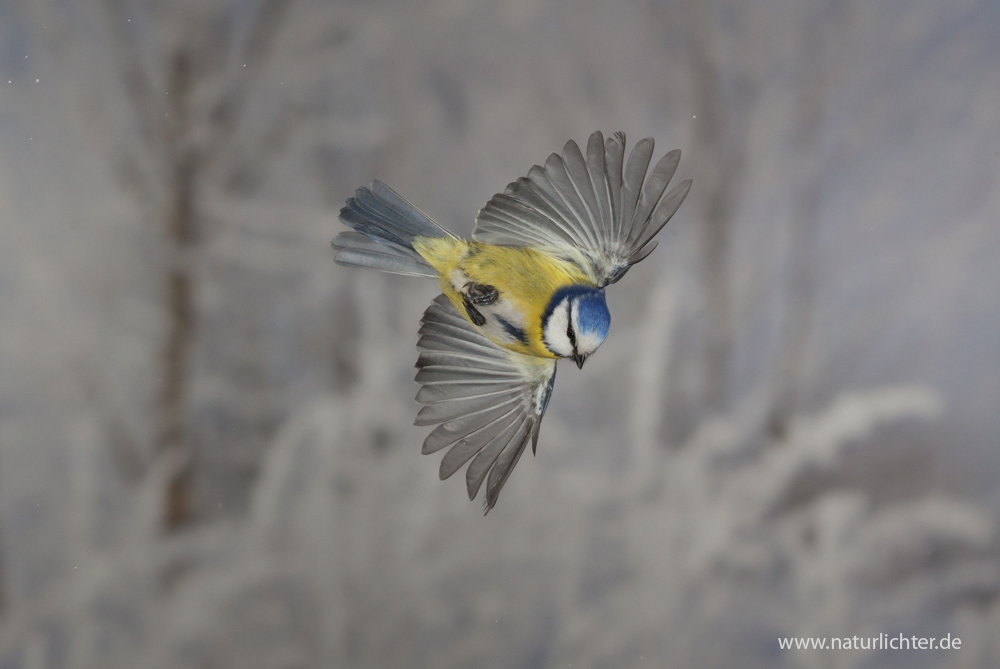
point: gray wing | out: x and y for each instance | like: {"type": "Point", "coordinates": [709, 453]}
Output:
{"type": "Point", "coordinates": [596, 205]}
{"type": "Point", "coordinates": [489, 401]}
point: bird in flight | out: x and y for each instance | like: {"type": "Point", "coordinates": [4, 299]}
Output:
{"type": "Point", "coordinates": [525, 291]}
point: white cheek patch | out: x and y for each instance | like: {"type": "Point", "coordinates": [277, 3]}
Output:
{"type": "Point", "coordinates": [555, 336]}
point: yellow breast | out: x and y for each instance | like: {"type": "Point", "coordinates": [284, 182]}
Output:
{"type": "Point", "coordinates": [525, 277]}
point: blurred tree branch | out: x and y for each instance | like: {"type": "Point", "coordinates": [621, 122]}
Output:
{"type": "Point", "coordinates": [720, 126]}
{"type": "Point", "coordinates": [822, 27]}
{"type": "Point", "coordinates": [185, 129]}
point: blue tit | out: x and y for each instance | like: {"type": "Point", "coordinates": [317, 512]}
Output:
{"type": "Point", "coordinates": [525, 291]}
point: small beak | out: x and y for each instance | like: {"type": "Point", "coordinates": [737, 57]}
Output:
{"type": "Point", "coordinates": [579, 360]}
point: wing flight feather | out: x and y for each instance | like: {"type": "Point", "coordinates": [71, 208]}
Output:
{"type": "Point", "coordinates": [594, 203]}
{"type": "Point", "coordinates": [487, 402]}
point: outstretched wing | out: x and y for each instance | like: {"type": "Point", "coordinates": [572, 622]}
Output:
{"type": "Point", "coordinates": [597, 206]}
{"type": "Point", "coordinates": [489, 401]}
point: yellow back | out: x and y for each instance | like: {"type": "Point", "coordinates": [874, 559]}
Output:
{"type": "Point", "coordinates": [526, 277]}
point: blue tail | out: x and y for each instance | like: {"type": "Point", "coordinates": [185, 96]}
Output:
{"type": "Point", "coordinates": [383, 226]}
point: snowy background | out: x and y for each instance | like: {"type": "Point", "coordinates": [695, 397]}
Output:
{"type": "Point", "coordinates": [206, 451]}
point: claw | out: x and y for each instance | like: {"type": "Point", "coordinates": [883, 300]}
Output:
{"type": "Point", "coordinates": [481, 295]}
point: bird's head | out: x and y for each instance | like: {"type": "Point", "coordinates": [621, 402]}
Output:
{"type": "Point", "coordinates": [575, 322]}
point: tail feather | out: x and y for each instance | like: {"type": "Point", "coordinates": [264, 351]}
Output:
{"type": "Point", "coordinates": [357, 250]}
{"type": "Point", "coordinates": [384, 226]}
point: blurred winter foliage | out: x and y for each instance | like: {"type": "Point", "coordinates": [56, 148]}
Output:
{"type": "Point", "coordinates": [206, 451]}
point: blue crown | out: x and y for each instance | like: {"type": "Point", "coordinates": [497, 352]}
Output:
{"type": "Point", "coordinates": [593, 316]}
